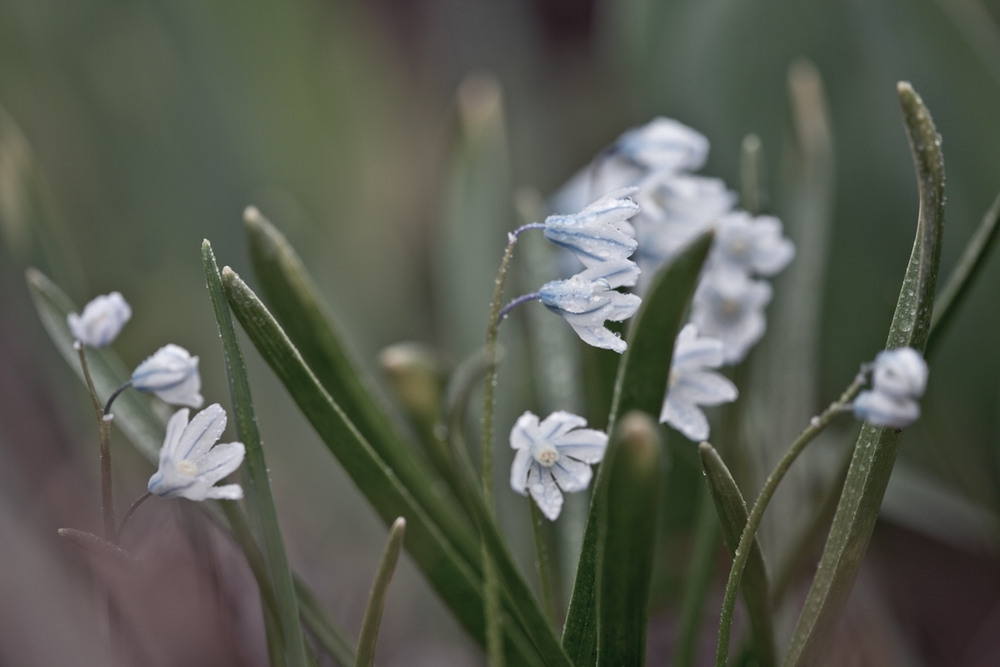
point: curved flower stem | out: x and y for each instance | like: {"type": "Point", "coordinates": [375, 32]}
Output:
{"type": "Point", "coordinates": [491, 584]}
{"type": "Point", "coordinates": [525, 298]}
{"type": "Point", "coordinates": [816, 426]}
{"type": "Point", "coordinates": [114, 395]}
{"type": "Point", "coordinates": [104, 424]}
{"type": "Point", "coordinates": [131, 510]}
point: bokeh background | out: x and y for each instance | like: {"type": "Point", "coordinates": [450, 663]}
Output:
{"type": "Point", "coordinates": [386, 139]}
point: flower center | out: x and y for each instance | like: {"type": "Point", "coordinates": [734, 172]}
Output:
{"type": "Point", "coordinates": [546, 455]}
{"type": "Point", "coordinates": [739, 247]}
{"type": "Point", "coordinates": [187, 468]}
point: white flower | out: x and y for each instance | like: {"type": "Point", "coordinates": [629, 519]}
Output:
{"type": "Point", "coordinates": [898, 381]}
{"type": "Point", "coordinates": [101, 321]}
{"type": "Point", "coordinates": [664, 143]}
{"type": "Point", "coordinates": [752, 245]}
{"type": "Point", "coordinates": [189, 463]}
{"type": "Point", "coordinates": [901, 373]}
{"type": "Point", "coordinates": [600, 232]}
{"type": "Point", "coordinates": [691, 384]}
{"type": "Point", "coordinates": [729, 306]}
{"type": "Point", "coordinates": [553, 458]}
{"type": "Point", "coordinates": [588, 300]}
{"type": "Point", "coordinates": [172, 374]}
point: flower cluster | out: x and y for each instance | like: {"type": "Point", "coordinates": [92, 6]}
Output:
{"type": "Point", "coordinates": [189, 464]}
{"type": "Point", "coordinates": [899, 379]}
{"type": "Point", "coordinates": [676, 205]}
{"type": "Point", "coordinates": [603, 239]}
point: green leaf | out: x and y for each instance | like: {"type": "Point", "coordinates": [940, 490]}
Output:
{"type": "Point", "coordinates": [876, 448]}
{"type": "Point", "coordinates": [298, 308]}
{"type": "Point", "coordinates": [641, 385]}
{"type": "Point", "coordinates": [380, 589]}
{"type": "Point", "coordinates": [628, 539]}
{"type": "Point", "coordinates": [454, 573]}
{"type": "Point", "coordinates": [733, 515]}
{"type": "Point", "coordinates": [965, 273]}
{"type": "Point", "coordinates": [256, 483]}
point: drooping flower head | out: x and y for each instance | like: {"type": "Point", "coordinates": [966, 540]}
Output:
{"type": "Point", "coordinates": [190, 461]}
{"type": "Point", "coordinates": [693, 384]}
{"type": "Point", "coordinates": [600, 232]}
{"type": "Point", "coordinates": [899, 380]}
{"type": "Point", "coordinates": [553, 457]}
{"type": "Point", "coordinates": [663, 143]}
{"type": "Point", "coordinates": [101, 321]}
{"type": "Point", "coordinates": [589, 299]}
{"type": "Point", "coordinates": [172, 374]}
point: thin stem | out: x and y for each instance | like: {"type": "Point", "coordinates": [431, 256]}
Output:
{"type": "Point", "coordinates": [816, 426]}
{"type": "Point", "coordinates": [514, 304]}
{"type": "Point", "coordinates": [543, 563]}
{"type": "Point", "coordinates": [104, 425]}
{"type": "Point", "coordinates": [114, 395]}
{"type": "Point", "coordinates": [131, 510]}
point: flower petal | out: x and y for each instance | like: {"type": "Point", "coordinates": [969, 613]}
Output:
{"type": "Point", "coordinates": [204, 431]}
{"type": "Point", "coordinates": [520, 469]}
{"type": "Point", "coordinates": [705, 388]}
{"type": "Point", "coordinates": [685, 417]}
{"type": "Point", "coordinates": [523, 435]}
{"type": "Point", "coordinates": [220, 461]}
{"type": "Point", "coordinates": [571, 475]}
{"type": "Point", "coordinates": [545, 493]}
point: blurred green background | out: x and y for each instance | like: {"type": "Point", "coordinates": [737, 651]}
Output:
{"type": "Point", "coordinates": [129, 131]}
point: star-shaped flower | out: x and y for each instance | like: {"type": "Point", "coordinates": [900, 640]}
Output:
{"type": "Point", "coordinates": [172, 374]}
{"type": "Point", "coordinates": [752, 245]}
{"type": "Point", "coordinates": [101, 321]}
{"type": "Point", "coordinates": [190, 461]}
{"type": "Point", "coordinates": [589, 299]}
{"type": "Point", "coordinates": [553, 457]}
{"type": "Point", "coordinates": [692, 384]}
{"type": "Point", "coordinates": [729, 306]}
{"type": "Point", "coordinates": [598, 233]}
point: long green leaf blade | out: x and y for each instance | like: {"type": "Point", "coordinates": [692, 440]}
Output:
{"type": "Point", "coordinates": [380, 589]}
{"type": "Point", "coordinates": [629, 537]}
{"type": "Point", "coordinates": [257, 484]}
{"type": "Point", "coordinates": [876, 448]}
{"type": "Point", "coordinates": [641, 385]}
{"type": "Point", "coordinates": [456, 579]}
{"type": "Point", "coordinates": [733, 515]}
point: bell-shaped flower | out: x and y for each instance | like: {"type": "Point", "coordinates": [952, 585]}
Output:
{"type": "Point", "coordinates": [589, 299]}
{"type": "Point", "coordinates": [729, 306]}
{"type": "Point", "coordinates": [172, 374]}
{"type": "Point", "coordinates": [752, 245]}
{"type": "Point", "coordinates": [600, 232]}
{"type": "Point", "coordinates": [101, 321]}
{"type": "Point", "coordinates": [553, 457]}
{"type": "Point", "coordinates": [664, 143]}
{"type": "Point", "coordinates": [899, 380]}
{"type": "Point", "coordinates": [901, 373]}
{"type": "Point", "coordinates": [191, 462]}
{"type": "Point", "coordinates": [692, 383]}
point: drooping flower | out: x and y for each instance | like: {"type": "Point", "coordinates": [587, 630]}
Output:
{"type": "Point", "coordinates": [172, 374]}
{"type": "Point", "coordinates": [899, 380]}
{"type": "Point", "coordinates": [598, 233]}
{"type": "Point", "coordinates": [191, 462]}
{"type": "Point", "coordinates": [664, 143]}
{"type": "Point", "coordinates": [589, 299]}
{"type": "Point", "coordinates": [693, 384]}
{"type": "Point", "coordinates": [752, 245]}
{"type": "Point", "coordinates": [729, 306]}
{"type": "Point", "coordinates": [101, 321]}
{"type": "Point", "coordinates": [553, 457]}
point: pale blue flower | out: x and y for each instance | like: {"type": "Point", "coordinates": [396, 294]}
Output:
{"type": "Point", "coordinates": [752, 245]}
{"type": "Point", "coordinates": [553, 457]}
{"type": "Point", "coordinates": [664, 143]}
{"type": "Point", "coordinates": [729, 306]}
{"type": "Point", "coordinates": [589, 299]}
{"type": "Point", "coordinates": [172, 374]}
{"type": "Point", "coordinates": [598, 233]}
{"type": "Point", "coordinates": [101, 321]}
{"type": "Point", "coordinates": [693, 384]}
{"type": "Point", "coordinates": [899, 380]}
{"type": "Point", "coordinates": [190, 461]}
